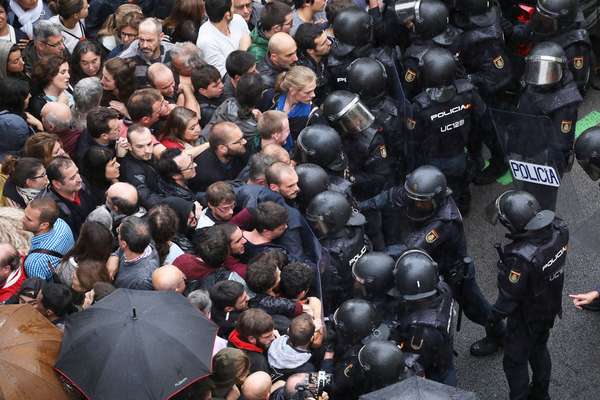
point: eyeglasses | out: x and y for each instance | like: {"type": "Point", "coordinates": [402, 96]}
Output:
{"type": "Point", "coordinates": [124, 35]}
{"type": "Point", "coordinates": [242, 6]}
{"type": "Point", "coordinates": [39, 176]}
{"type": "Point", "coordinates": [57, 44]}
{"type": "Point", "coordinates": [226, 207]}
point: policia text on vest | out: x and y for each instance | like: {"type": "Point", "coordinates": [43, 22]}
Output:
{"type": "Point", "coordinates": [534, 173]}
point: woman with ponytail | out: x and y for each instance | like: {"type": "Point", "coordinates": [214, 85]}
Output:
{"type": "Point", "coordinates": [295, 91]}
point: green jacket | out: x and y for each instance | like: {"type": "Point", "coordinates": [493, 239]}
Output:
{"type": "Point", "coordinates": [259, 45]}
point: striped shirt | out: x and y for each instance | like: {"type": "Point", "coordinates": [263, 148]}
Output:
{"type": "Point", "coordinates": [58, 239]}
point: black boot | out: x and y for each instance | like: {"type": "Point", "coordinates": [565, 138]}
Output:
{"type": "Point", "coordinates": [495, 170]}
{"type": "Point", "coordinates": [485, 347]}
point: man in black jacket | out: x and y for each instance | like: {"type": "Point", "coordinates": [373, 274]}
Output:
{"type": "Point", "coordinates": [137, 167]}
{"type": "Point", "coordinates": [281, 55]}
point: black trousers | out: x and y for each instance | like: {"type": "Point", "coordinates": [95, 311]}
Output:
{"type": "Point", "coordinates": [526, 344]}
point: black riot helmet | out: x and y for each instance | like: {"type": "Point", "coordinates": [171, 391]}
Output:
{"type": "Point", "coordinates": [322, 145]}
{"type": "Point", "coordinates": [346, 113]}
{"type": "Point", "coordinates": [367, 78]}
{"type": "Point", "coordinates": [355, 319]}
{"type": "Point", "coordinates": [352, 28]}
{"type": "Point", "coordinates": [312, 180]}
{"type": "Point", "coordinates": [375, 271]}
{"type": "Point", "coordinates": [552, 15]}
{"type": "Point", "coordinates": [329, 212]}
{"type": "Point", "coordinates": [439, 71]}
{"type": "Point", "coordinates": [416, 276]}
{"type": "Point", "coordinates": [426, 189]}
{"type": "Point", "coordinates": [545, 64]}
{"type": "Point", "coordinates": [383, 363]}
{"type": "Point", "coordinates": [587, 151]}
{"type": "Point", "coordinates": [519, 211]}
{"type": "Point", "coordinates": [431, 19]}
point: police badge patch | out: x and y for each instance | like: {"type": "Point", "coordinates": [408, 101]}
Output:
{"type": "Point", "coordinates": [565, 126]}
{"type": "Point", "coordinates": [410, 75]}
{"type": "Point", "coordinates": [410, 123]}
{"type": "Point", "coordinates": [498, 62]}
{"type": "Point", "coordinates": [432, 236]}
{"type": "Point", "coordinates": [578, 62]}
{"type": "Point", "coordinates": [514, 276]}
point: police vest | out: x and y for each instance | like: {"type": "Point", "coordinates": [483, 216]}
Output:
{"type": "Point", "coordinates": [546, 262]}
{"type": "Point", "coordinates": [446, 126]}
{"type": "Point", "coordinates": [441, 318]}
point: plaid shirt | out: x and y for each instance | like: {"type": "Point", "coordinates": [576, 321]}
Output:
{"type": "Point", "coordinates": [59, 239]}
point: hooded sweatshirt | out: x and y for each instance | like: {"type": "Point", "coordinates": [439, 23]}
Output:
{"type": "Point", "coordinates": [286, 359]}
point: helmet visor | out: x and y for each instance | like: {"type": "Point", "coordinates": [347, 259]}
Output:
{"type": "Point", "coordinates": [405, 10]}
{"type": "Point", "coordinates": [318, 225]}
{"type": "Point", "coordinates": [543, 70]}
{"type": "Point", "coordinates": [420, 210]}
{"type": "Point", "coordinates": [543, 24]}
{"type": "Point", "coordinates": [354, 118]}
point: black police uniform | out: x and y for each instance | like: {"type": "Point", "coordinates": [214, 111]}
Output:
{"type": "Point", "coordinates": [442, 237]}
{"type": "Point", "coordinates": [483, 53]}
{"type": "Point", "coordinates": [439, 132]}
{"type": "Point", "coordinates": [530, 283]}
{"type": "Point", "coordinates": [344, 249]}
{"type": "Point", "coordinates": [560, 105]}
{"type": "Point", "coordinates": [578, 49]}
{"type": "Point", "coordinates": [426, 329]}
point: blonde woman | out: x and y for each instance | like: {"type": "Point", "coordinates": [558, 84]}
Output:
{"type": "Point", "coordinates": [11, 229]}
{"type": "Point", "coordinates": [295, 91]}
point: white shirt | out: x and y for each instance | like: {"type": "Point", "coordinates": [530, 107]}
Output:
{"type": "Point", "coordinates": [215, 46]}
{"type": "Point", "coordinates": [71, 36]}
{"type": "Point", "coordinates": [11, 37]}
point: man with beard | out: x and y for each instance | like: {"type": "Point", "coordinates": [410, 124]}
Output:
{"type": "Point", "coordinates": [253, 335]}
{"type": "Point", "coordinates": [224, 159]}
{"type": "Point", "coordinates": [313, 48]}
{"type": "Point", "coordinates": [148, 49]}
{"type": "Point", "coordinates": [281, 55]}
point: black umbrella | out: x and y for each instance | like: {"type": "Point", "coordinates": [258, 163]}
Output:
{"type": "Point", "coordinates": [415, 388]}
{"type": "Point", "coordinates": [136, 344]}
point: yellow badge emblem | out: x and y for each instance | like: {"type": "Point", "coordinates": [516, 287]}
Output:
{"type": "Point", "coordinates": [411, 123]}
{"type": "Point", "coordinates": [514, 276]}
{"type": "Point", "coordinates": [498, 62]}
{"type": "Point", "coordinates": [383, 151]}
{"type": "Point", "coordinates": [578, 62]}
{"type": "Point", "coordinates": [432, 236]}
{"type": "Point", "coordinates": [410, 75]}
{"type": "Point", "coordinates": [565, 126]}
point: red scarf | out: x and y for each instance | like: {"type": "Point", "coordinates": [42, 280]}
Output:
{"type": "Point", "coordinates": [237, 341]}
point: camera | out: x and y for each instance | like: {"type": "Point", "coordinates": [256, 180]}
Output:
{"type": "Point", "coordinates": [313, 386]}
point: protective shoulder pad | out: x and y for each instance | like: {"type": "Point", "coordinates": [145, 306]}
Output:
{"type": "Point", "coordinates": [463, 86]}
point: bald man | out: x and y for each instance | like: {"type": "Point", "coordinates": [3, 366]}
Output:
{"type": "Point", "coordinates": [147, 49]}
{"type": "Point", "coordinates": [277, 153]}
{"type": "Point", "coordinates": [161, 78]}
{"type": "Point", "coordinates": [257, 386]}
{"type": "Point", "coordinates": [168, 278]}
{"type": "Point", "coordinates": [281, 55]}
{"type": "Point", "coordinates": [122, 200]}
{"type": "Point", "coordinates": [57, 118]}
{"type": "Point", "coordinates": [283, 179]}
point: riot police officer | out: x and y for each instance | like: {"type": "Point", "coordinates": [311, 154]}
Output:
{"type": "Point", "coordinates": [367, 77]}
{"type": "Point", "coordinates": [341, 232]}
{"type": "Point", "coordinates": [425, 320]}
{"type": "Point", "coordinates": [436, 227]}
{"type": "Point", "coordinates": [373, 278]}
{"type": "Point", "coordinates": [353, 31]}
{"type": "Point", "coordinates": [365, 147]}
{"type": "Point", "coordinates": [448, 116]}
{"type": "Point", "coordinates": [550, 91]}
{"type": "Point", "coordinates": [559, 21]}
{"type": "Point", "coordinates": [431, 26]}
{"type": "Point", "coordinates": [321, 145]}
{"type": "Point", "coordinates": [355, 324]}
{"type": "Point", "coordinates": [487, 65]}
{"type": "Point", "coordinates": [383, 364]}
{"type": "Point", "coordinates": [530, 283]}
{"type": "Point", "coordinates": [312, 180]}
